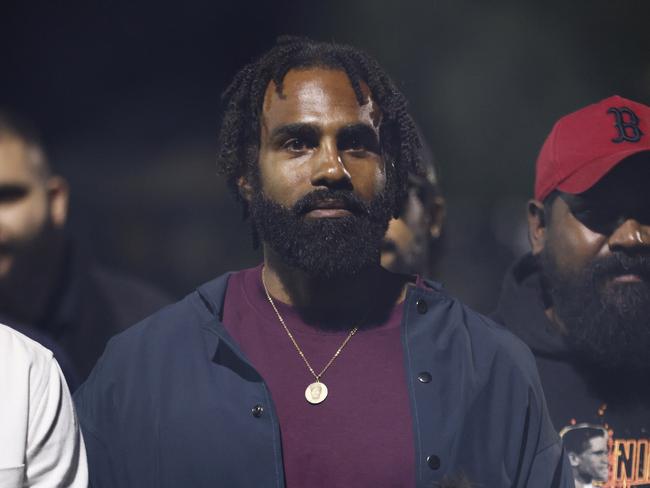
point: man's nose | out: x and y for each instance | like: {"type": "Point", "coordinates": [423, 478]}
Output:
{"type": "Point", "coordinates": [329, 170]}
{"type": "Point", "coordinates": [630, 235]}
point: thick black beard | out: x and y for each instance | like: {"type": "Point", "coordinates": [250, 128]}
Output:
{"type": "Point", "coordinates": [325, 247]}
{"type": "Point", "coordinates": [608, 323]}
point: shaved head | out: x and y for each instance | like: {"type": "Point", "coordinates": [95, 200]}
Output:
{"type": "Point", "coordinates": [14, 128]}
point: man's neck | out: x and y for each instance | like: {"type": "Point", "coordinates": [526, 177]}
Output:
{"type": "Point", "coordinates": [364, 297]}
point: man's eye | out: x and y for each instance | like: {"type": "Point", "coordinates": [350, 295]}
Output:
{"type": "Point", "coordinates": [356, 145]}
{"type": "Point", "coordinates": [360, 144]}
{"type": "Point", "coordinates": [12, 194]}
{"type": "Point", "coordinates": [600, 220]}
{"type": "Point", "coordinates": [296, 145]}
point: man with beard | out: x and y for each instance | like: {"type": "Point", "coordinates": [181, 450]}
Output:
{"type": "Point", "coordinates": [317, 367]}
{"type": "Point", "coordinates": [50, 289]}
{"type": "Point", "coordinates": [581, 298]}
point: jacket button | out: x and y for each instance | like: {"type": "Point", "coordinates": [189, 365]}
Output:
{"type": "Point", "coordinates": [424, 377]}
{"type": "Point", "coordinates": [257, 411]}
{"type": "Point", "coordinates": [421, 306]}
{"type": "Point", "coordinates": [433, 461]}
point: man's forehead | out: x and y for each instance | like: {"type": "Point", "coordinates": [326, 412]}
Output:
{"type": "Point", "coordinates": [18, 160]}
{"type": "Point", "coordinates": [315, 95]}
{"type": "Point", "coordinates": [597, 442]}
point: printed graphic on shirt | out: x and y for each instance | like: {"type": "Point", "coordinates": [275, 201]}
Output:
{"type": "Point", "coordinates": [599, 458]}
{"type": "Point", "coordinates": [587, 448]}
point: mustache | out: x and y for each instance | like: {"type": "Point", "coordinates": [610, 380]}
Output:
{"type": "Point", "coordinates": [347, 200]}
{"type": "Point", "coordinates": [619, 264]}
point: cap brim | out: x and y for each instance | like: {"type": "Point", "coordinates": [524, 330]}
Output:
{"type": "Point", "coordinates": [591, 173]}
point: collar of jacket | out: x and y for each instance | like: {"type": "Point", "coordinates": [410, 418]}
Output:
{"type": "Point", "coordinates": [213, 293]}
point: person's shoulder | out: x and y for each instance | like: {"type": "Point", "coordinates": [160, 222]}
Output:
{"type": "Point", "coordinates": [506, 344]}
{"type": "Point", "coordinates": [171, 319]}
{"type": "Point", "coordinates": [133, 359]}
{"type": "Point", "coordinates": [487, 340]}
{"type": "Point", "coordinates": [18, 349]}
{"type": "Point", "coordinates": [26, 369]}
{"type": "Point", "coordinates": [168, 329]}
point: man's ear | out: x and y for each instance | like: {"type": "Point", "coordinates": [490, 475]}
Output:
{"type": "Point", "coordinates": [437, 212]}
{"type": "Point", "coordinates": [537, 220]}
{"type": "Point", "coordinates": [245, 188]}
{"type": "Point", "coordinates": [58, 194]}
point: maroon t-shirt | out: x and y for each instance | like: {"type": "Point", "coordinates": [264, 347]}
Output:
{"type": "Point", "coordinates": [362, 434]}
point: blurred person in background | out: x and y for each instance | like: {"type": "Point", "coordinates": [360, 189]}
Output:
{"type": "Point", "coordinates": [47, 284]}
{"type": "Point", "coordinates": [581, 298]}
{"type": "Point", "coordinates": [317, 368]}
{"type": "Point", "coordinates": [40, 442]}
{"type": "Point", "coordinates": [412, 244]}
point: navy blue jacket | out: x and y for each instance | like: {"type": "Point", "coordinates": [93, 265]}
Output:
{"type": "Point", "coordinates": [173, 402]}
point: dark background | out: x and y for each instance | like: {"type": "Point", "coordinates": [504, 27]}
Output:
{"type": "Point", "coordinates": [127, 97]}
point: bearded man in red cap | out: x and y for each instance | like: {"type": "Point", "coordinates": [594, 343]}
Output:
{"type": "Point", "coordinates": [581, 298]}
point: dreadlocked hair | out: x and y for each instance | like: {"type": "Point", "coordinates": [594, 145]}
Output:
{"type": "Point", "coordinates": [239, 135]}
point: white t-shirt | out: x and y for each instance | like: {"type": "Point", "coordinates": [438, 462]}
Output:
{"type": "Point", "coordinates": [40, 442]}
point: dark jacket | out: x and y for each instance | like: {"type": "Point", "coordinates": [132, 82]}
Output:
{"type": "Point", "coordinates": [90, 305]}
{"type": "Point", "coordinates": [575, 393]}
{"type": "Point", "coordinates": [173, 402]}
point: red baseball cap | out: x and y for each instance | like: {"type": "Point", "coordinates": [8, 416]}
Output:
{"type": "Point", "coordinates": [585, 145]}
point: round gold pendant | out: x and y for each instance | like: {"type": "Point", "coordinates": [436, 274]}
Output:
{"type": "Point", "coordinates": [316, 392]}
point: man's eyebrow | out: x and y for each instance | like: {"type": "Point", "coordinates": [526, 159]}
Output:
{"type": "Point", "coordinates": [361, 130]}
{"type": "Point", "coordinates": [359, 133]}
{"type": "Point", "coordinates": [298, 129]}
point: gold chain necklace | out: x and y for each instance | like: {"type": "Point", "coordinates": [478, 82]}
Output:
{"type": "Point", "coordinates": [317, 391]}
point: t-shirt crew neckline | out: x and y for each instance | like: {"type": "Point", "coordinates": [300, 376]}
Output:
{"type": "Point", "coordinates": [255, 296]}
